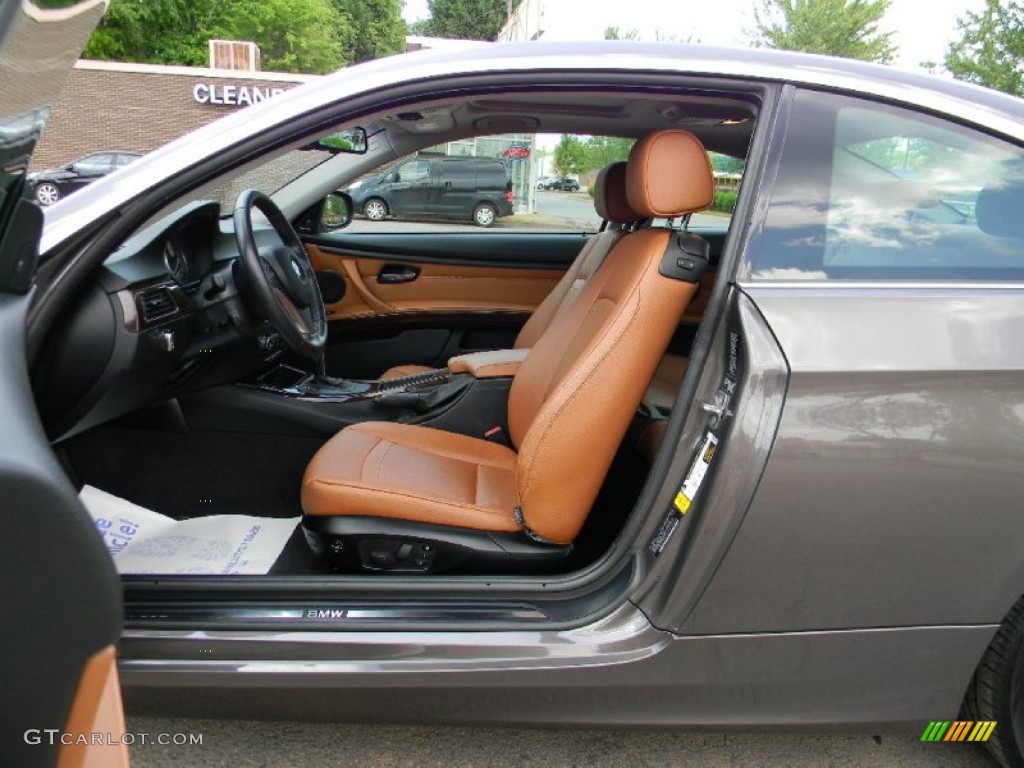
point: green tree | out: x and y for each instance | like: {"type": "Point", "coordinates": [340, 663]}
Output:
{"type": "Point", "coordinates": [603, 150]}
{"type": "Point", "coordinates": [570, 156]}
{"type": "Point", "coordinates": [991, 47]}
{"type": "Point", "coordinates": [293, 35]}
{"type": "Point", "coordinates": [847, 28]}
{"type": "Point", "coordinates": [376, 29]}
{"type": "Point", "coordinates": [466, 19]}
{"type": "Point", "coordinates": [153, 31]}
{"type": "Point", "coordinates": [725, 163]}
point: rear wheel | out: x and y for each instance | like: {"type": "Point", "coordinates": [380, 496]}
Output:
{"type": "Point", "coordinates": [47, 193]}
{"type": "Point", "coordinates": [375, 209]}
{"type": "Point", "coordinates": [484, 215]}
{"type": "Point", "coordinates": [996, 692]}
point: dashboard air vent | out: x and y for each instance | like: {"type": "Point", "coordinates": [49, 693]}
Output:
{"type": "Point", "coordinates": [157, 304]}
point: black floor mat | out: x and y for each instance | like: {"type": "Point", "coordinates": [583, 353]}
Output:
{"type": "Point", "coordinates": [194, 474]}
{"type": "Point", "coordinates": [297, 559]}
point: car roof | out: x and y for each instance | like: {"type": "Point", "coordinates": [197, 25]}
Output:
{"type": "Point", "coordinates": [983, 105]}
{"type": "Point", "coordinates": [993, 111]}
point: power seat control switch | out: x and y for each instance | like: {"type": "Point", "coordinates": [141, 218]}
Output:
{"type": "Point", "coordinates": [396, 555]}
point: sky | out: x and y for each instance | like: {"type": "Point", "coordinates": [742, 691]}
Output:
{"type": "Point", "coordinates": [923, 28]}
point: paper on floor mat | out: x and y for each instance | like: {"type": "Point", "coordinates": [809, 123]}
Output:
{"type": "Point", "coordinates": [142, 541]}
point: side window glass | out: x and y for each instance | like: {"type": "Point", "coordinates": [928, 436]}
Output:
{"type": "Point", "coordinates": [96, 162]}
{"type": "Point", "coordinates": [866, 191]}
{"type": "Point", "coordinates": [417, 170]}
{"type": "Point", "coordinates": [512, 182]}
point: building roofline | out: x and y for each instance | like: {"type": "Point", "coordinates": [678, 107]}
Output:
{"type": "Point", "coordinates": [207, 72]}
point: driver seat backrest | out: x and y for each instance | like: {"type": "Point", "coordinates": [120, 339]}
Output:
{"type": "Point", "coordinates": [574, 396]}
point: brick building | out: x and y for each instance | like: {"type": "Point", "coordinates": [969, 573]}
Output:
{"type": "Point", "coordinates": [110, 105]}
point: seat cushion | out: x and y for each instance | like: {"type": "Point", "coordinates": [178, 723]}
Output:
{"type": "Point", "coordinates": [417, 473]}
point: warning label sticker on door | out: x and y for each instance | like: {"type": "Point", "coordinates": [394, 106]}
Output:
{"type": "Point", "coordinates": [694, 478]}
{"type": "Point", "coordinates": [686, 494]}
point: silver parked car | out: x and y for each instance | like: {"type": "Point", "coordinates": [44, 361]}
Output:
{"type": "Point", "coordinates": [692, 470]}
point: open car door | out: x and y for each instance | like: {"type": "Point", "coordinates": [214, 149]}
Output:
{"type": "Point", "coordinates": [61, 594]}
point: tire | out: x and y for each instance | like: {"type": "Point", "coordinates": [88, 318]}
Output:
{"type": "Point", "coordinates": [47, 193]}
{"type": "Point", "coordinates": [996, 691]}
{"type": "Point", "coordinates": [375, 209]}
{"type": "Point", "coordinates": [484, 215]}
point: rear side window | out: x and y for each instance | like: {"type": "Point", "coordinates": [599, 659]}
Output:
{"type": "Point", "coordinates": [869, 192]}
{"type": "Point", "coordinates": [417, 170]}
{"type": "Point", "coordinates": [100, 160]}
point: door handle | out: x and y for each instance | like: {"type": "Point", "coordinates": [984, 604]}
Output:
{"type": "Point", "coordinates": [390, 274]}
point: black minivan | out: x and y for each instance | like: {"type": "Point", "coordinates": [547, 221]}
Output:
{"type": "Point", "coordinates": [438, 186]}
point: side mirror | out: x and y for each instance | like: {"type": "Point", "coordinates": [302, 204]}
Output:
{"type": "Point", "coordinates": [336, 212]}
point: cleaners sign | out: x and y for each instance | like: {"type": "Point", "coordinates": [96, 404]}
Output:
{"type": "Point", "coordinates": [232, 95]}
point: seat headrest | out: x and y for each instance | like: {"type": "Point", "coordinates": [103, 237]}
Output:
{"type": "Point", "coordinates": [668, 174]}
{"type": "Point", "coordinates": [1000, 210]}
{"type": "Point", "coordinates": [610, 195]}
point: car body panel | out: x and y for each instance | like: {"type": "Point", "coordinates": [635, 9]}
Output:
{"type": "Point", "coordinates": [898, 431]}
{"type": "Point", "coordinates": [893, 486]}
{"type": "Point", "coordinates": [619, 671]}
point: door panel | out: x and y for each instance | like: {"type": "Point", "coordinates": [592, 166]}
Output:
{"type": "Point", "coordinates": [61, 598]}
{"type": "Point", "coordinates": [436, 287]}
{"type": "Point", "coordinates": [422, 298]}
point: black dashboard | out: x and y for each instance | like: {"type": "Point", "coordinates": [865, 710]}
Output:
{"type": "Point", "coordinates": [164, 315]}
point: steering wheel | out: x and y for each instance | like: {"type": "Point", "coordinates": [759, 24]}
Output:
{"type": "Point", "coordinates": [280, 281]}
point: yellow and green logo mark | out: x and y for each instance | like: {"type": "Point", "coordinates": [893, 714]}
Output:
{"type": "Point", "coordinates": [958, 730]}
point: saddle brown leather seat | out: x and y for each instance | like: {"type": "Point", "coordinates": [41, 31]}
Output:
{"type": "Point", "coordinates": [569, 407]}
{"type": "Point", "coordinates": [612, 206]}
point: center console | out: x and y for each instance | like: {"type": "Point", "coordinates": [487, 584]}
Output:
{"type": "Point", "coordinates": [288, 381]}
{"type": "Point", "coordinates": [292, 401]}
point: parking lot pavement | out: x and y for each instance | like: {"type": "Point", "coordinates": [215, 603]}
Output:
{"type": "Point", "coordinates": [236, 744]}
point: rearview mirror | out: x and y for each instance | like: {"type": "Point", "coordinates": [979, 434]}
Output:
{"type": "Point", "coordinates": [336, 212]}
{"type": "Point", "coordinates": [350, 141]}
